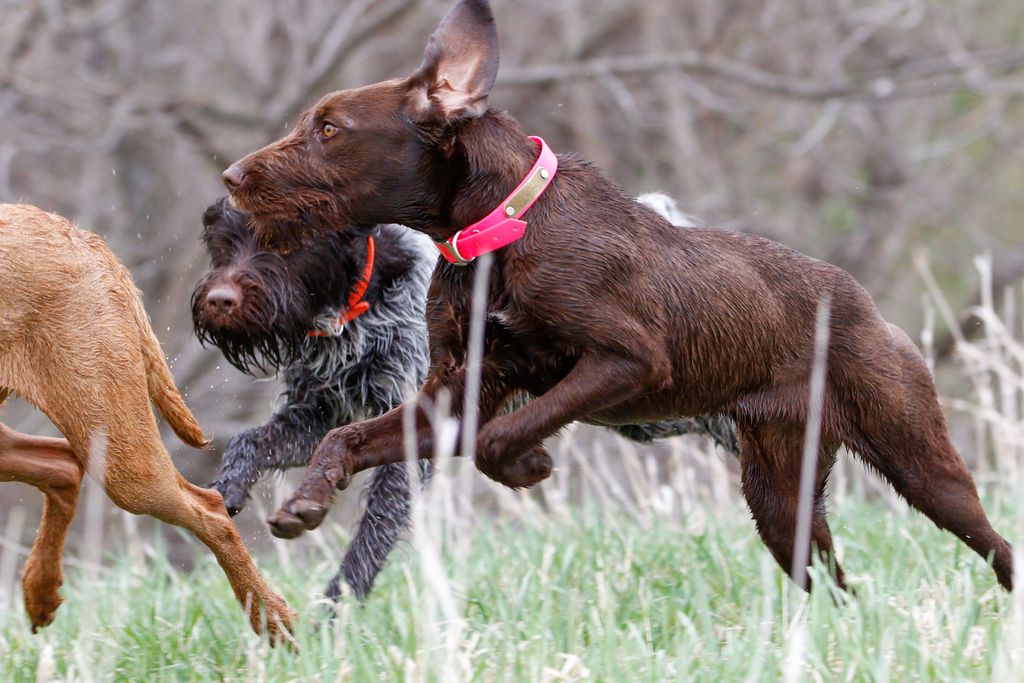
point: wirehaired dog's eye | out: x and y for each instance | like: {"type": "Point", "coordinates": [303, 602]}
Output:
{"type": "Point", "coordinates": [328, 130]}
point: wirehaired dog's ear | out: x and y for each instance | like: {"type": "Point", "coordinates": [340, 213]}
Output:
{"type": "Point", "coordinates": [459, 66]}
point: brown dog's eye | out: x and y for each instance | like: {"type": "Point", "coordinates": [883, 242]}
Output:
{"type": "Point", "coordinates": [329, 129]}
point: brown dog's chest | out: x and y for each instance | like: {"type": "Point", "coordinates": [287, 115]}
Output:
{"type": "Point", "coordinates": [540, 356]}
{"type": "Point", "coordinates": [532, 351]}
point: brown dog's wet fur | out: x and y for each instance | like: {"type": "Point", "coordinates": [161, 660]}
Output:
{"type": "Point", "coordinates": [603, 311]}
{"type": "Point", "coordinates": [76, 343]}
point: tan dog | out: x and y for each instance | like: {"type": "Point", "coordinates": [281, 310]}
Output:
{"type": "Point", "coordinates": [76, 343]}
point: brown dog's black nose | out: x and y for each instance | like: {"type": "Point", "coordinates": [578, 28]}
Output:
{"type": "Point", "coordinates": [223, 299]}
{"type": "Point", "coordinates": [234, 176]}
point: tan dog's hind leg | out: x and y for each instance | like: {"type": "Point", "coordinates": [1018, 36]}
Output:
{"type": "Point", "coordinates": [93, 368]}
{"type": "Point", "coordinates": [50, 466]}
{"type": "Point", "coordinates": [153, 487]}
{"type": "Point", "coordinates": [116, 434]}
{"type": "Point", "coordinates": [137, 473]}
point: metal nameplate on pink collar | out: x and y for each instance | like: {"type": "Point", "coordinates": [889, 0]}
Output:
{"type": "Point", "coordinates": [502, 226]}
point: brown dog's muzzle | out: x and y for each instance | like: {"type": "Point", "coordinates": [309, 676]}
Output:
{"type": "Point", "coordinates": [234, 176]}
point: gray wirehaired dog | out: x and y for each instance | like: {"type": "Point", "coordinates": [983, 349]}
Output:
{"type": "Point", "coordinates": [342, 319]}
{"type": "Point", "coordinates": [286, 312]}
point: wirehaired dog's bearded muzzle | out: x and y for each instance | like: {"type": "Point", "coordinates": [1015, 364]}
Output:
{"type": "Point", "coordinates": [266, 327]}
{"type": "Point", "coordinates": [249, 304]}
{"type": "Point", "coordinates": [258, 305]}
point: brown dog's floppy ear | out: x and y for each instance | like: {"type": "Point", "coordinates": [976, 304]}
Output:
{"type": "Point", "coordinates": [459, 66]}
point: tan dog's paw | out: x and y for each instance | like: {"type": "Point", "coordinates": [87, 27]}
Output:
{"type": "Point", "coordinates": [278, 617]}
{"type": "Point", "coordinates": [41, 597]}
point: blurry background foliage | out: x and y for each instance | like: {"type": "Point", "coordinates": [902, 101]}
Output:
{"type": "Point", "coordinates": [861, 132]}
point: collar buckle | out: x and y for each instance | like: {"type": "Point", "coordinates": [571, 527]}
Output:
{"type": "Point", "coordinates": [450, 251]}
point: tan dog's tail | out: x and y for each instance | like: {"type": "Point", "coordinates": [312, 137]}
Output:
{"type": "Point", "coordinates": [166, 397]}
{"type": "Point", "coordinates": [162, 390]}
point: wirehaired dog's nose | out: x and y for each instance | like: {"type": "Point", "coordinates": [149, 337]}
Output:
{"type": "Point", "coordinates": [223, 299]}
{"type": "Point", "coordinates": [233, 177]}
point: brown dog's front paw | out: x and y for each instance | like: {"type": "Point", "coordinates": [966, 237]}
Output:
{"type": "Point", "coordinates": [285, 525]}
{"type": "Point", "coordinates": [296, 517]}
{"type": "Point", "coordinates": [331, 459]}
{"type": "Point", "coordinates": [306, 509]}
{"type": "Point", "coordinates": [523, 471]}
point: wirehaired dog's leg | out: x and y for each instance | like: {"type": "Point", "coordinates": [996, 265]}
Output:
{"type": "Point", "coordinates": [388, 506]}
{"type": "Point", "coordinates": [287, 440]}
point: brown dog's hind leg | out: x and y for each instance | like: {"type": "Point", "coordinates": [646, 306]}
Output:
{"type": "Point", "coordinates": [926, 470]}
{"type": "Point", "coordinates": [50, 466]}
{"type": "Point", "coordinates": [933, 479]}
{"type": "Point", "coordinates": [771, 459]}
{"type": "Point", "coordinates": [902, 433]}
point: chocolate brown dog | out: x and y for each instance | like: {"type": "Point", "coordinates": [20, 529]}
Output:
{"type": "Point", "coordinates": [601, 310]}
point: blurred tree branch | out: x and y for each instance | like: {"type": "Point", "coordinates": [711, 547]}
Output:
{"type": "Point", "coordinates": [880, 86]}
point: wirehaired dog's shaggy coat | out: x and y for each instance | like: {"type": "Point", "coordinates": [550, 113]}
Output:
{"type": "Point", "coordinates": [601, 310]}
{"type": "Point", "coordinates": [259, 308]}
{"type": "Point", "coordinates": [76, 343]}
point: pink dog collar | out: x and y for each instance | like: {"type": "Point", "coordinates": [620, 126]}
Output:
{"type": "Point", "coordinates": [502, 226]}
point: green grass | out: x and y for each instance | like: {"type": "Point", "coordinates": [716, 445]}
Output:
{"type": "Point", "coordinates": [604, 598]}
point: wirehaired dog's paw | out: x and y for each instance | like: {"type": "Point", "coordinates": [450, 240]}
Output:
{"type": "Point", "coordinates": [235, 495]}
{"type": "Point", "coordinates": [239, 469]}
{"type": "Point", "coordinates": [521, 471]}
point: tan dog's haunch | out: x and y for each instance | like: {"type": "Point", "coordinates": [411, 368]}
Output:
{"type": "Point", "coordinates": [76, 343]}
